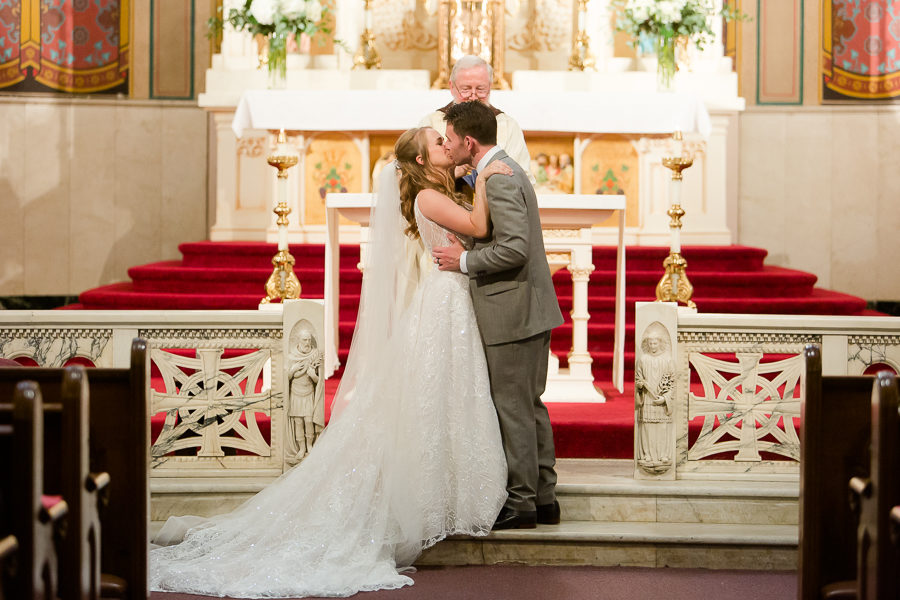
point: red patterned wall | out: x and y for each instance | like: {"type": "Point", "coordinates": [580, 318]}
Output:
{"type": "Point", "coordinates": [79, 46]}
{"type": "Point", "coordinates": [861, 50]}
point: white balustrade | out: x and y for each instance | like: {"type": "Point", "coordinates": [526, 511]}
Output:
{"type": "Point", "coordinates": [740, 376]}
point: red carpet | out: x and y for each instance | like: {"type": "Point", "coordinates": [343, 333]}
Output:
{"type": "Point", "coordinates": [728, 279]}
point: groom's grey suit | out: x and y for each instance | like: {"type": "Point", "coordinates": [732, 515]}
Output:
{"type": "Point", "coordinates": [516, 307]}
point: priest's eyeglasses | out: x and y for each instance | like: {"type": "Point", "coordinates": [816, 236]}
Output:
{"type": "Point", "coordinates": [479, 92]}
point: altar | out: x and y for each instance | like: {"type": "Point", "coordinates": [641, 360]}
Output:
{"type": "Point", "coordinates": [611, 128]}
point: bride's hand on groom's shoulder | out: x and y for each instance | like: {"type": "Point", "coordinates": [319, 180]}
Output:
{"type": "Point", "coordinates": [495, 168]}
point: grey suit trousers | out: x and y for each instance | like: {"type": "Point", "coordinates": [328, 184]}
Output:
{"type": "Point", "coordinates": [518, 373]}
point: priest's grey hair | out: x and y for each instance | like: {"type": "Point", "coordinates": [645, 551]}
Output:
{"type": "Point", "coordinates": [467, 62]}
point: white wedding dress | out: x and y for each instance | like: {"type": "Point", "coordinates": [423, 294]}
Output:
{"type": "Point", "coordinates": [414, 456]}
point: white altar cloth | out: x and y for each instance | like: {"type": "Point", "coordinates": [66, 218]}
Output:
{"type": "Point", "coordinates": [552, 111]}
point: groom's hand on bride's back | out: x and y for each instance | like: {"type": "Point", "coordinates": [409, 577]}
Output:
{"type": "Point", "coordinates": [447, 258]}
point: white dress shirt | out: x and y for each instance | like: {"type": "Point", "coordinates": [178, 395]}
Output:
{"type": "Point", "coordinates": [482, 164]}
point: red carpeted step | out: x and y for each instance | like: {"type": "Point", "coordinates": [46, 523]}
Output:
{"type": "Point", "coordinates": [122, 296]}
{"type": "Point", "coordinates": [699, 258]}
{"type": "Point", "coordinates": [819, 302]}
{"type": "Point", "coordinates": [258, 254]}
{"type": "Point", "coordinates": [173, 277]}
{"type": "Point", "coordinates": [774, 280]}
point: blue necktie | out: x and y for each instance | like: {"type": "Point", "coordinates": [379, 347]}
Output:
{"type": "Point", "coordinates": [470, 177]}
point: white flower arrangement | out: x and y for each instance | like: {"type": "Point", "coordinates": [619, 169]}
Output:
{"type": "Point", "coordinates": [671, 19]}
{"type": "Point", "coordinates": [276, 19]}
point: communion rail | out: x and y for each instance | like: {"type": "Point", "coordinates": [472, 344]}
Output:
{"type": "Point", "coordinates": [732, 383]}
{"type": "Point", "coordinates": [717, 396]}
{"type": "Point", "coordinates": [218, 380]}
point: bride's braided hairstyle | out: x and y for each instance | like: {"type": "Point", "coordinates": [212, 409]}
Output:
{"type": "Point", "coordinates": [415, 177]}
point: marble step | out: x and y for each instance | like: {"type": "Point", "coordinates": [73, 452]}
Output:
{"type": "Point", "coordinates": [599, 543]}
{"type": "Point", "coordinates": [609, 519]}
{"type": "Point", "coordinates": [605, 490]}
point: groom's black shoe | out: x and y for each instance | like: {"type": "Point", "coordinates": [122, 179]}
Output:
{"type": "Point", "coordinates": [515, 519]}
{"type": "Point", "coordinates": [548, 514]}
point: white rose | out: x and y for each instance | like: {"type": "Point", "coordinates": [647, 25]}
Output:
{"type": "Point", "coordinates": [264, 11]}
{"type": "Point", "coordinates": [668, 11]}
{"type": "Point", "coordinates": [293, 9]}
{"type": "Point", "coordinates": [640, 14]}
{"type": "Point", "coordinates": [313, 11]}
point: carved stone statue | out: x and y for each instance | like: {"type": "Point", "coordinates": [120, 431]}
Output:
{"type": "Point", "coordinates": [306, 410]}
{"type": "Point", "coordinates": [654, 390]}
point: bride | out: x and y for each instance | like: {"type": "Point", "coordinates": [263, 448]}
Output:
{"type": "Point", "coordinates": [412, 453]}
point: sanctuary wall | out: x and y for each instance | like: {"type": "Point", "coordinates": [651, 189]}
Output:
{"type": "Point", "coordinates": [91, 187]}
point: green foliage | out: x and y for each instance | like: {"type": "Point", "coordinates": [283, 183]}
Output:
{"type": "Point", "coordinates": [671, 19]}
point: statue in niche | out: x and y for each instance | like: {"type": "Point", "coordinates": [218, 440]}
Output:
{"type": "Point", "coordinates": [306, 409]}
{"type": "Point", "coordinates": [654, 388]}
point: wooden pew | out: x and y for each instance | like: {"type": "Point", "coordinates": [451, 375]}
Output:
{"type": "Point", "coordinates": [834, 447]}
{"type": "Point", "coordinates": [8, 547]}
{"type": "Point", "coordinates": [32, 525]}
{"type": "Point", "coordinates": [876, 496]}
{"type": "Point", "coordinates": [119, 445]}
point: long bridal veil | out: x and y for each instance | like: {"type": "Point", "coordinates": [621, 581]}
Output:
{"type": "Point", "coordinates": [390, 277]}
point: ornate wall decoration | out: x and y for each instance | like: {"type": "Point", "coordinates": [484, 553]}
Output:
{"type": "Point", "coordinates": [547, 26]}
{"type": "Point", "coordinates": [861, 50]}
{"type": "Point", "coordinates": [609, 165]}
{"type": "Point", "coordinates": [79, 46]}
{"type": "Point", "coordinates": [400, 26]}
{"type": "Point", "coordinates": [333, 164]}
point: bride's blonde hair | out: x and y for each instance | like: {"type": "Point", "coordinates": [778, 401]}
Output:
{"type": "Point", "coordinates": [415, 177]}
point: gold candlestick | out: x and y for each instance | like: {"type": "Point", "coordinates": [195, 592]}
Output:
{"type": "Point", "coordinates": [282, 283]}
{"type": "Point", "coordinates": [367, 56]}
{"type": "Point", "coordinates": [581, 57]}
{"type": "Point", "coordinates": [674, 285]}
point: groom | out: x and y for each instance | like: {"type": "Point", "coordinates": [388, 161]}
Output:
{"type": "Point", "coordinates": [516, 307]}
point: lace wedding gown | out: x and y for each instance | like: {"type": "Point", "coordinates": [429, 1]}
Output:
{"type": "Point", "coordinates": [414, 457]}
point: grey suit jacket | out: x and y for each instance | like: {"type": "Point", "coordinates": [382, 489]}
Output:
{"type": "Point", "coordinates": [509, 278]}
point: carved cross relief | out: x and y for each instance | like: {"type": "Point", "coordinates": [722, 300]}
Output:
{"type": "Point", "coordinates": [204, 398]}
{"type": "Point", "coordinates": [746, 401]}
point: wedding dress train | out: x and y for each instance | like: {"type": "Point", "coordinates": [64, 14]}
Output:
{"type": "Point", "coordinates": [413, 457]}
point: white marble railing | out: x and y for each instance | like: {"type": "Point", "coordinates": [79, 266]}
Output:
{"type": "Point", "coordinates": [737, 378]}
{"type": "Point", "coordinates": [220, 377]}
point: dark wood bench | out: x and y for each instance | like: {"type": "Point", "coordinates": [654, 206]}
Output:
{"type": "Point", "coordinates": [834, 447]}
{"type": "Point", "coordinates": [8, 547]}
{"type": "Point", "coordinates": [878, 563]}
{"type": "Point", "coordinates": [31, 520]}
{"type": "Point", "coordinates": [119, 445]}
